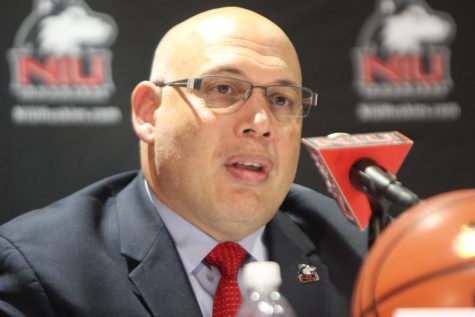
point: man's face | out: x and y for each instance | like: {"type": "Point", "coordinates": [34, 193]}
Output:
{"type": "Point", "coordinates": [227, 173]}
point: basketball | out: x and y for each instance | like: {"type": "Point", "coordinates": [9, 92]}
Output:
{"type": "Point", "coordinates": [425, 258]}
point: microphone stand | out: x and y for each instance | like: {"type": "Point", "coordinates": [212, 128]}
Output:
{"type": "Point", "coordinates": [382, 189]}
{"type": "Point", "coordinates": [379, 219]}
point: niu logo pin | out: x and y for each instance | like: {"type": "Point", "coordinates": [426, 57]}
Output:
{"type": "Point", "coordinates": [307, 274]}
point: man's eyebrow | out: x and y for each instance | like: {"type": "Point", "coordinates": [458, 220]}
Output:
{"type": "Point", "coordinates": [236, 71]}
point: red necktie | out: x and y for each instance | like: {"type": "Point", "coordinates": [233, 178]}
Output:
{"type": "Point", "coordinates": [227, 257]}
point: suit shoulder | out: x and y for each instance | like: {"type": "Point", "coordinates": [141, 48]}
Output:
{"type": "Point", "coordinates": [307, 203]}
{"type": "Point", "coordinates": [320, 217]}
{"type": "Point", "coordinates": [69, 212]}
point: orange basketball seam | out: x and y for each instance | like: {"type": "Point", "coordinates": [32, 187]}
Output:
{"type": "Point", "coordinates": [420, 279]}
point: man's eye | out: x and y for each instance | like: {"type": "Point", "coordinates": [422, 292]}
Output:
{"type": "Point", "coordinates": [281, 101]}
{"type": "Point", "coordinates": [223, 89]}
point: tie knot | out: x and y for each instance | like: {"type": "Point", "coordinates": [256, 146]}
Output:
{"type": "Point", "coordinates": [227, 257]}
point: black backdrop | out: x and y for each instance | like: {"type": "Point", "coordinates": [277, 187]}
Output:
{"type": "Point", "coordinates": [50, 148]}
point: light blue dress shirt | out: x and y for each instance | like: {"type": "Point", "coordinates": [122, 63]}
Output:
{"type": "Point", "coordinates": [193, 245]}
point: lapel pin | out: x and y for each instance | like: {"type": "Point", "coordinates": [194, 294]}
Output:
{"type": "Point", "coordinates": [307, 274]}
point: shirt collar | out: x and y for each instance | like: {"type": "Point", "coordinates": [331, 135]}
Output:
{"type": "Point", "coordinates": [193, 244]}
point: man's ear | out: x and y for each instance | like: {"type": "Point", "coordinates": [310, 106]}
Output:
{"type": "Point", "coordinates": [145, 100]}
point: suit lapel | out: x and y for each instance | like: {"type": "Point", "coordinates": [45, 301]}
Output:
{"type": "Point", "coordinates": [290, 247]}
{"type": "Point", "coordinates": [156, 272]}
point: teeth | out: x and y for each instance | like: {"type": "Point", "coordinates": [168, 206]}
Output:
{"type": "Point", "coordinates": [252, 165]}
{"type": "Point", "coordinates": [248, 165]}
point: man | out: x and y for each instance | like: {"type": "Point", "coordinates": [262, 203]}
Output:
{"type": "Point", "coordinates": [219, 124]}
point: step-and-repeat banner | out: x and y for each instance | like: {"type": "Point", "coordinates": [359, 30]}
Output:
{"type": "Point", "coordinates": [68, 68]}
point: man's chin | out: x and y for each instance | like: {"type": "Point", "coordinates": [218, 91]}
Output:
{"type": "Point", "coordinates": [248, 211]}
{"type": "Point", "coordinates": [237, 228]}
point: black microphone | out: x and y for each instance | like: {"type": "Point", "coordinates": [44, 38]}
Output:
{"type": "Point", "coordinates": [368, 176]}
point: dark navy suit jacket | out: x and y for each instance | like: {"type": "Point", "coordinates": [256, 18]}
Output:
{"type": "Point", "coordinates": [104, 251]}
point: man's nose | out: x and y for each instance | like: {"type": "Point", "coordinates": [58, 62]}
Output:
{"type": "Point", "coordinates": [256, 117]}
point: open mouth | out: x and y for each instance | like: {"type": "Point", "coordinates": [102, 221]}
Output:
{"type": "Point", "coordinates": [251, 169]}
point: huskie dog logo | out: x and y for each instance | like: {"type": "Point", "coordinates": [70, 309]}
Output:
{"type": "Point", "coordinates": [403, 52]}
{"type": "Point", "coordinates": [60, 54]}
{"type": "Point", "coordinates": [307, 274]}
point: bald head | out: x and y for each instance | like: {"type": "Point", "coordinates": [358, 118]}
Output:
{"type": "Point", "coordinates": [220, 33]}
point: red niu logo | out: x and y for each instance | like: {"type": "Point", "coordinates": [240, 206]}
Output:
{"type": "Point", "coordinates": [47, 66]}
{"type": "Point", "coordinates": [402, 69]}
{"type": "Point", "coordinates": [402, 52]}
{"type": "Point", "coordinates": [54, 71]}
